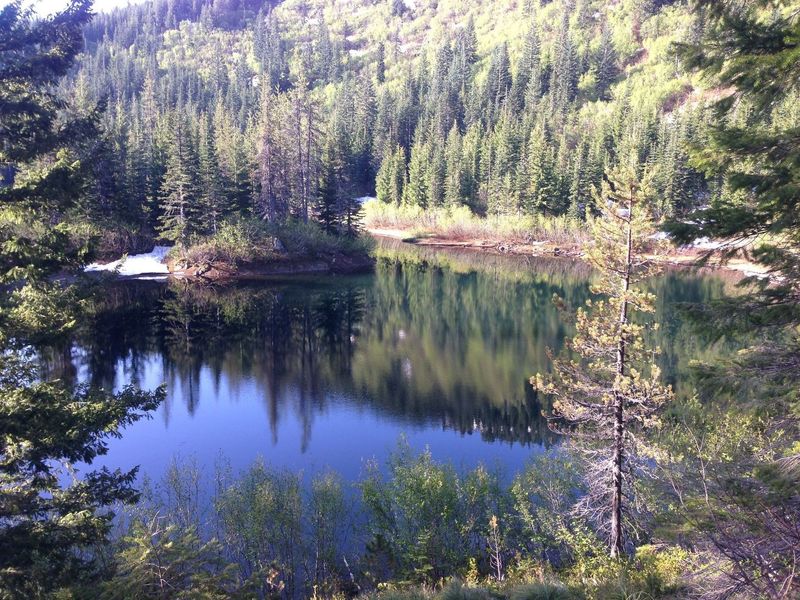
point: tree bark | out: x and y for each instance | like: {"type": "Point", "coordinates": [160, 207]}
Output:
{"type": "Point", "coordinates": [617, 540]}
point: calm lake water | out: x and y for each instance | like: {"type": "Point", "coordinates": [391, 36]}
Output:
{"type": "Point", "coordinates": [311, 374]}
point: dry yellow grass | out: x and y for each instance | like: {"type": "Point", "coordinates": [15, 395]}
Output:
{"type": "Point", "coordinates": [459, 224]}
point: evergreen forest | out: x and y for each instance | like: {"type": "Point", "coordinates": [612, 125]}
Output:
{"type": "Point", "coordinates": [257, 154]}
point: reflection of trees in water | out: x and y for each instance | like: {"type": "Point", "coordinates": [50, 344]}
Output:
{"type": "Point", "coordinates": [294, 341]}
{"type": "Point", "coordinates": [679, 338]}
{"type": "Point", "coordinates": [459, 344]}
{"type": "Point", "coordinates": [432, 337]}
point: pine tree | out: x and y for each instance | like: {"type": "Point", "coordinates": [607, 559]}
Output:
{"type": "Point", "coordinates": [180, 192]}
{"type": "Point", "coordinates": [605, 64]}
{"type": "Point", "coordinates": [502, 197]}
{"type": "Point", "coordinates": [391, 177]}
{"type": "Point", "coordinates": [327, 208]}
{"type": "Point", "coordinates": [470, 164]}
{"type": "Point", "coordinates": [454, 178]}
{"type": "Point", "coordinates": [273, 195]}
{"type": "Point", "coordinates": [611, 390]}
{"type": "Point", "coordinates": [751, 515]}
{"type": "Point", "coordinates": [380, 64]}
{"type": "Point", "coordinates": [579, 192]}
{"type": "Point", "coordinates": [498, 82]}
{"type": "Point", "coordinates": [526, 87]}
{"type": "Point", "coordinates": [304, 126]}
{"type": "Point", "coordinates": [136, 171]}
{"type": "Point", "coordinates": [49, 522]}
{"type": "Point", "coordinates": [214, 206]}
{"type": "Point", "coordinates": [415, 192]}
{"type": "Point", "coordinates": [363, 133]}
{"type": "Point", "coordinates": [469, 41]}
{"type": "Point", "coordinates": [436, 172]}
{"type": "Point", "coordinates": [542, 187]}
{"type": "Point", "coordinates": [564, 75]}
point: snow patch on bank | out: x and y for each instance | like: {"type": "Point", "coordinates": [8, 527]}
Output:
{"type": "Point", "coordinates": [136, 265]}
{"type": "Point", "coordinates": [702, 243]}
{"type": "Point", "coordinates": [705, 243]}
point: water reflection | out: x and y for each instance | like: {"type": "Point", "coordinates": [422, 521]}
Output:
{"type": "Point", "coordinates": [434, 339]}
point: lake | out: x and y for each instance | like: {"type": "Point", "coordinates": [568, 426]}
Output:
{"type": "Point", "coordinates": [436, 346]}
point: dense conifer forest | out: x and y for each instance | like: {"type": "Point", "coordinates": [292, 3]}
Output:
{"type": "Point", "coordinates": [249, 131]}
{"type": "Point", "coordinates": [224, 108]}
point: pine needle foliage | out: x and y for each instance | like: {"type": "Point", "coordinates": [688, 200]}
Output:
{"type": "Point", "coordinates": [607, 388]}
{"type": "Point", "coordinates": [51, 513]}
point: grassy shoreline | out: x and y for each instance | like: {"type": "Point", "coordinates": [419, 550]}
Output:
{"type": "Point", "coordinates": [525, 236]}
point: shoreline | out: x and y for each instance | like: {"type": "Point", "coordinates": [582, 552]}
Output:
{"type": "Point", "coordinates": [682, 257]}
{"type": "Point", "coordinates": [222, 272]}
{"type": "Point", "coordinates": [340, 263]}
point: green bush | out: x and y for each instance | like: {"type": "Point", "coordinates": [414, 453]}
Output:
{"type": "Point", "coordinates": [160, 559]}
{"type": "Point", "coordinates": [309, 239]}
{"type": "Point", "coordinates": [658, 572]}
{"type": "Point", "coordinates": [404, 594]}
{"type": "Point", "coordinates": [458, 591]}
{"type": "Point", "coordinates": [425, 521]}
{"type": "Point", "coordinates": [236, 241]}
{"type": "Point", "coordinates": [242, 241]}
{"type": "Point", "coordinates": [542, 591]}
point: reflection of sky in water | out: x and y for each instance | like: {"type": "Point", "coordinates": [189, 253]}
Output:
{"type": "Point", "coordinates": [329, 373]}
{"type": "Point", "coordinates": [235, 421]}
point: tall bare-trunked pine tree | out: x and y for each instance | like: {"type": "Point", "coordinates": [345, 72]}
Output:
{"type": "Point", "coordinates": [606, 387]}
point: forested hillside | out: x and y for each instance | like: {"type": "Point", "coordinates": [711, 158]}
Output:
{"type": "Point", "coordinates": [507, 107]}
{"type": "Point", "coordinates": [240, 135]}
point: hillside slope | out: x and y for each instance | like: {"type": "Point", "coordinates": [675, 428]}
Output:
{"type": "Point", "coordinates": [507, 107]}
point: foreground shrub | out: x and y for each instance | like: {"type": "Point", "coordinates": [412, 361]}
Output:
{"type": "Point", "coordinates": [458, 591]}
{"type": "Point", "coordinates": [269, 533]}
{"type": "Point", "coordinates": [543, 495]}
{"type": "Point", "coordinates": [425, 521]}
{"type": "Point", "coordinates": [542, 591]}
{"type": "Point", "coordinates": [158, 559]}
{"type": "Point", "coordinates": [406, 594]}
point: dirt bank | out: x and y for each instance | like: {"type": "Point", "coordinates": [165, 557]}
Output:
{"type": "Point", "coordinates": [221, 272]}
{"type": "Point", "coordinates": [682, 257]}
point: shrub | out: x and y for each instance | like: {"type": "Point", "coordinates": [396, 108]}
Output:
{"type": "Point", "coordinates": [542, 591]}
{"type": "Point", "coordinates": [658, 571]}
{"type": "Point", "coordinates": [458, 591]}
{"type": "Point", "coordinates": [260, 517]}
{"type": "Point", "coordinates": [309, 239]}
{"type": "Point", "coordinates": [407, 594]}
{"type": "Point", "coordinates": [543, 495]}
{"type": "Point", "coordinates": [161, 559]}
{"type": "Point", "coordinates": [426, 521]}
{"type": "Point", "coordinates": [236, 242]}
{"type": "Point", "coordinates": [241, 241]}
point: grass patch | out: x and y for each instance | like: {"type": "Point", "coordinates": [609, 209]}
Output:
{"type": "Point", "coordinates": [460, 224]}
